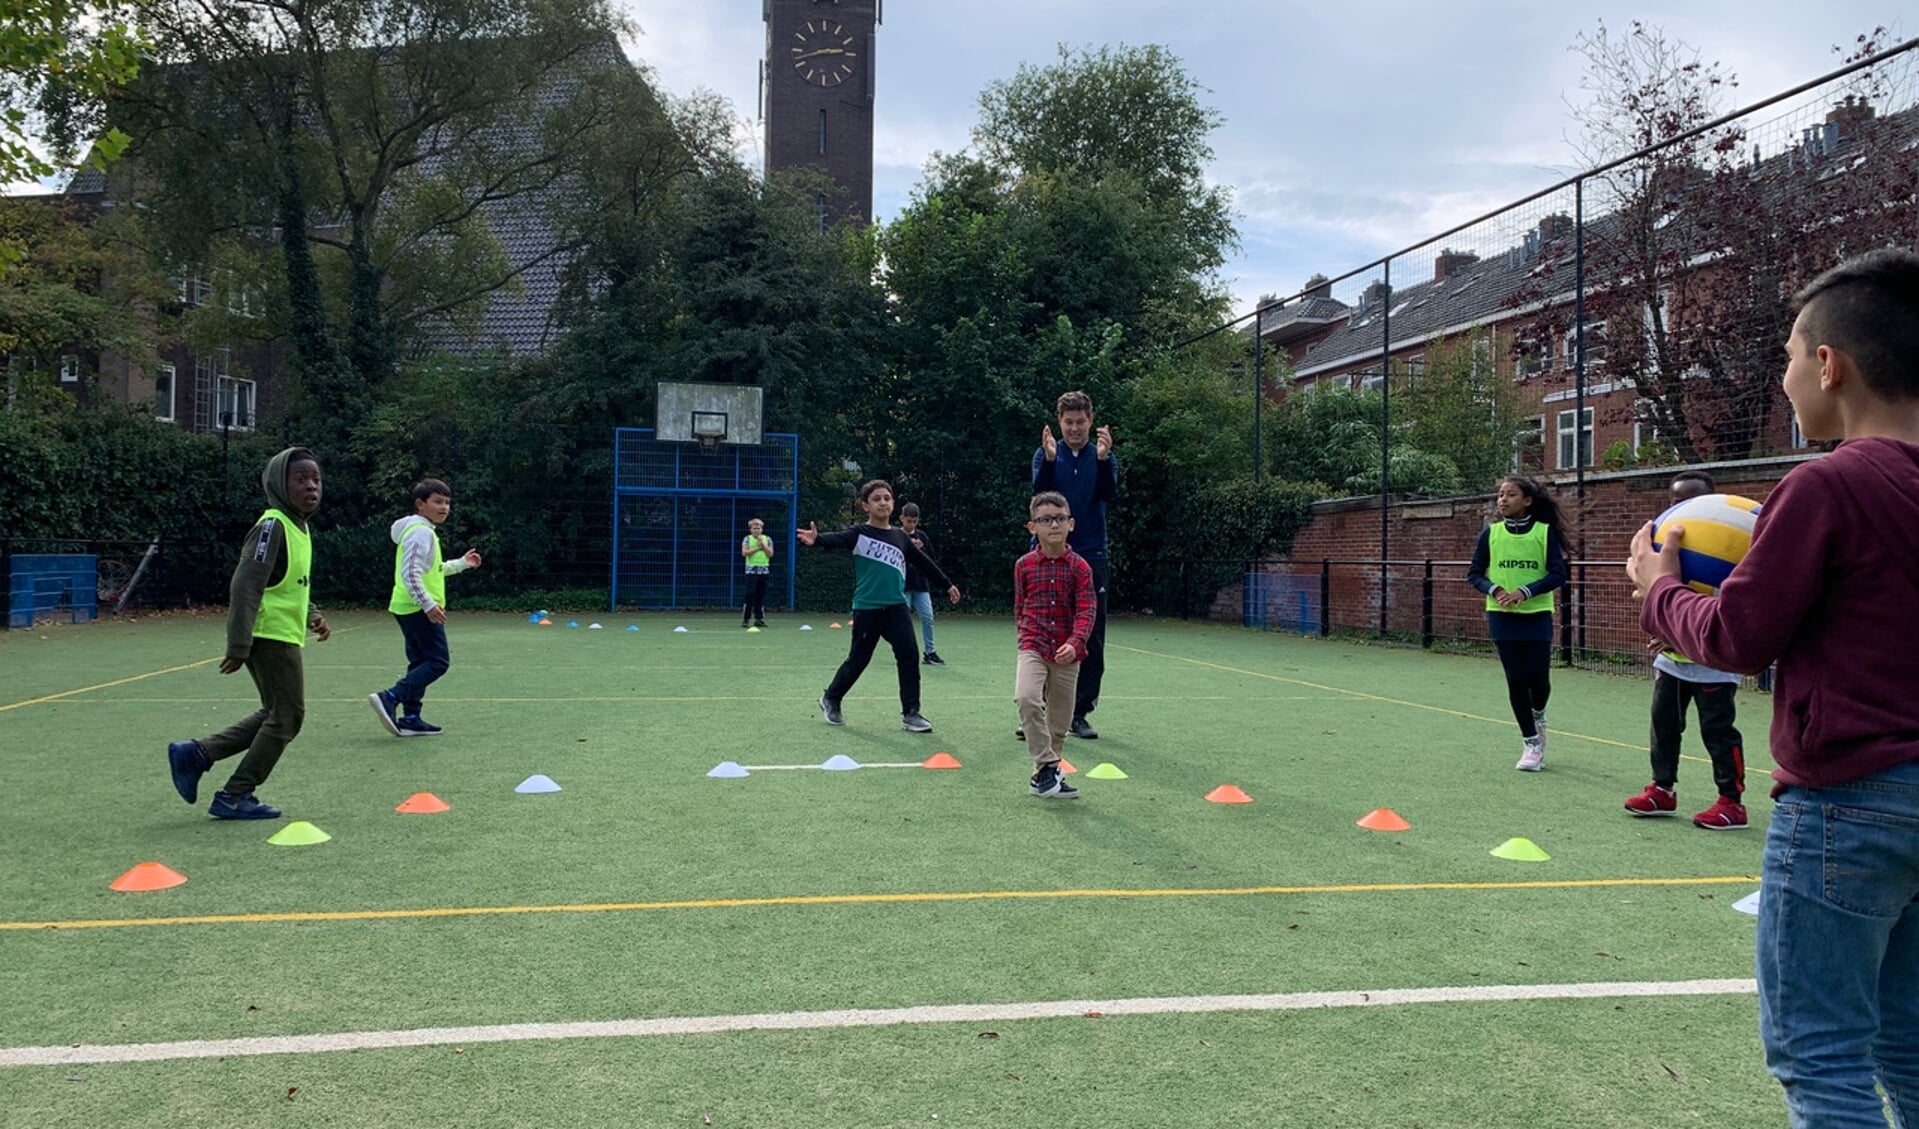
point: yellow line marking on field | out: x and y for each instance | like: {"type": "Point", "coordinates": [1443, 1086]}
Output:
{"type": "Point", "coordinates": [867, 899]}
{"type": "Point", "coordinates": [105, 685]}
{"type": "Point", "coordinates": [143, 701]}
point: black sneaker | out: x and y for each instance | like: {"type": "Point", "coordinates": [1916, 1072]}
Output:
{"type": "Point", "coordinates": [1083, 731]}
{"type": "Point", "coordinates": [188, 762]}
{"type": "Point", "coordinates": [1019, 734]}
{"type": "Point", "coordinates": [830, 709]}
{"type": "Point", "coordinates": [227, 805]}
{"type": "Point", "coordinates": [933, 659]}
{"type": "Point", "coordinates": [914, 723]}
{"type": "Point", "coordinates": [1048, 784]}
{"type": "Point", "coordinates": [416, 726]}
{"type": "Point", "coordinates": [760, 623]}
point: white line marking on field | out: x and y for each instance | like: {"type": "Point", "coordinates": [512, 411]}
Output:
{"type": "Point", "coordinates": [797, 767]}
{"type": "Point", "coordinates": [866, 1017]}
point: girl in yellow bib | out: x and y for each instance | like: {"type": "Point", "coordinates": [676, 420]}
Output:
{"type": "Point", "coordinates": [1519, 561]}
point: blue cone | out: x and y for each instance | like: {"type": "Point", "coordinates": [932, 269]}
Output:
{"type": "Point", "coordinates": [728, 770]}
{"type": "Point", "coordinates": [537, 783]}
{"type": "Point", "coordinates": [632, 627]}
{"type": "Point", "coordinates": [840, 762]}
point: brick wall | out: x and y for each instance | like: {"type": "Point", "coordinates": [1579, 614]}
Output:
{"type": "Point", "coordinates": [1443, 531]}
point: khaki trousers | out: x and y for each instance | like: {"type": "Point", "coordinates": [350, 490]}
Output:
{"type": "Point", "coordinates": [1044, 694]}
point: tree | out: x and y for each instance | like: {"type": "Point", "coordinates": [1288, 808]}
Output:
{"type": "Point", "coordinates": [389, 145]}
{"type": "Point", "coordinates": [1460, 408]}
{"type": "Point", "coordinates": [58, 60]}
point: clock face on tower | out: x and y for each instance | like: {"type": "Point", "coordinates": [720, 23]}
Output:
{"type": "Point", "coordinates": [822, 53]}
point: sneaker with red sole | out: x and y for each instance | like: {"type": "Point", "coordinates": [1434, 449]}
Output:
{"type": "Point", "coordinates": [1723, 815]}
{"type": "Point", "coordinates": [1654, 801]}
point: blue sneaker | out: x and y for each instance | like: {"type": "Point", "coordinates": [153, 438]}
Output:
{"type": "Point", "coordinates": [388, 710]}
{"type": "Point", "coordinates": [227, 805]}
{"type": "Point", "coordinates": [416, 726]}
{"type": "Point", "coordinates": [189, 762]}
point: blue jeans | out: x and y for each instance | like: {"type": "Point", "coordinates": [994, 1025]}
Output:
{"type": "Point", "coordinates": [1838, 951]}
{"type": "Point", "coordinates": [921, 604]}
{"type": "Point", "coordinates": [426, 660]}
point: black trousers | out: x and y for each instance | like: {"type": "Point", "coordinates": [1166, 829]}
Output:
{"type": "Point", "coordinates": [869, 626]}
{"type": "Point", "coordinates": [1529, 681]}
{"type": "Point", "coordinates": [1670, 697]}
{"type": "Point", "coordinates": [265, 733]}
{"type": "Point", "coordinates": [755, 610]}
{"type": "Point", "coordinates": [1093, 667]}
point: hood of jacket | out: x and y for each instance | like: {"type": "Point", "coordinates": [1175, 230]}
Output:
{"type": "Point", "coordinates": [398, 531]}
{"type": "Point", "coordinates": [274, 481]}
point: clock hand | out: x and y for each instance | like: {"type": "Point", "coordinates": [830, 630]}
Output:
{"type": "Point", "coordinates": [821, 51]}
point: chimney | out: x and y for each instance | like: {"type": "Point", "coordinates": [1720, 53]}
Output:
{"type": "Point", "coordinates": [1374, 295]}
{"type": "Point", "coordinates": [1849, 113]}
{"type": "Point", "coordinates": [1556, 226]}
{"type": "Point", "coordinates": [1318, 287]}
{"type": "Point", "coordinates": [1450, 262]}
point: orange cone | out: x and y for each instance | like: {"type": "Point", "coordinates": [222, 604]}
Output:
{"type": "Point", "coordinates": [940, 760]}
{"type": "Point", "coordinates": [1228, 794]}
{"type": "Point", "coordinates": [422, 803]}
{"type": "Point", "coordinates": [148, 876]}
{"type": "Point", "coordinates": [1383, 819]}
{"type": "Point", "coordinates": [835, 626]}
{"type": "Point", "coordinates": [1066, 767]}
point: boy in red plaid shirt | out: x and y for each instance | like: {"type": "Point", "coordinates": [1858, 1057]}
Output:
{"type": "Point", "coordinates": [1054, 606]}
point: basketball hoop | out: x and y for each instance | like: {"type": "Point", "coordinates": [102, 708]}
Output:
{"type": "Point", "coordinates": [708, 429]}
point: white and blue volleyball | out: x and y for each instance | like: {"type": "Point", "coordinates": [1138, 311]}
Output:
{"type": "Point", "coordinates": [1718, 533]}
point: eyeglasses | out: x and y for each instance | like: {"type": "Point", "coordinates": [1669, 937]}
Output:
{"type": "Point", "coordinates": [1052, 519]}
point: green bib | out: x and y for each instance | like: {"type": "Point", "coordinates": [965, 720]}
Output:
{"type": "Point", "coordinates": [759, 557]}
{"type": "Point", "coordinates": [283, 607]}
{"type": "Point", "coordinates": [401, 603]}
{"type": "Point", "coordinates": [1518, 559]}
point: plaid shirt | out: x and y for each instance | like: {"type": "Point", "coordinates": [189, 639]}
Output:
{"type": "Point", "coordinates": [1054, 602]}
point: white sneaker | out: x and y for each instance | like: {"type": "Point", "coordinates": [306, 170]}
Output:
{"type": "Point", "coordinates": [1534, 758]}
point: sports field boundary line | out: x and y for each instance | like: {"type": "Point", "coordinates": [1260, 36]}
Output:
{"type": "Point", "coordinates": [72, 1055]}
{"type": "Point", "coordinates": [866, 899]}
{"type": "Point", "coordinates": [132, 678]}
{"type": "Point", "coordinates": [1370, 697]}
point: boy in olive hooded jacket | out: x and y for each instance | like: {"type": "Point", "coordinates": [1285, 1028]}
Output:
{"type": "Point", "coordinates": [269, 613]}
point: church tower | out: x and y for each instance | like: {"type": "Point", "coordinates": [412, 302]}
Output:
{"type": "Point", "coordinates": [817, 86]}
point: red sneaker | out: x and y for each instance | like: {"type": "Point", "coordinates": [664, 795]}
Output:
{"type": "Point", "coordinates": [1723, 815]}
{"type": "Point", "coordinates": [1654, 801]}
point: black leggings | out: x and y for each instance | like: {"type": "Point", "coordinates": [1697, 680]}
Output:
{"type": "Point", "coordinates": [869, 626]}
{"type": "Point", "coordinates": [1529, 681]}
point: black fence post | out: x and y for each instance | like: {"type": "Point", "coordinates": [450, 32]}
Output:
{"type": "Point", "coordinates": [1325, 597]}
{"type": "Point", "coordinates": [1577, 579]}
{"type": "Point", "coordinates": [1426, 608]}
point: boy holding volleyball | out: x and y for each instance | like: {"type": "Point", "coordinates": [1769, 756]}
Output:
{"type": "Point", "coordinates": [1678, 682]}
{"type": "Point", "coordinates": [1827, 589]}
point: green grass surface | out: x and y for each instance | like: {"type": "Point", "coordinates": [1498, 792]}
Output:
{"type": "Point", "coordinates": [647, 853]}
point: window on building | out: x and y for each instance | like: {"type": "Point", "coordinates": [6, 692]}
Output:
{"type": "Point", "coordinates": [1571, 434]}
{"type": "Point", "coordinates": [195, 291]}
{"type": "Point", "coordinates": [1370, 380]}
{"type": "Point", "coordinates": [1595, 345]}
{"type": "Point", "coordinates": [163, 392]}
{"type": "Point", "coordinates": [822, 133]}
{"type": "Point", "coordinates": [69, 369]}
{"type": "Point", "coordinates": [1799, 440]}
{"type": "Point", "coordinates": [1530, 445]}
{"type": "Point", "coordinates": [1416, 366]}
{"type": "Point", "coordinates": [235, 398]}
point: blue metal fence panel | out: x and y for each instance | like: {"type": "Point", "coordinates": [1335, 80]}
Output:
{"type": "Point", "coordinates": [1281, 601]}
{"type": "Point", "coordinates": [45, 584]}
{"type": "Point", "coordinates": [680, 511]}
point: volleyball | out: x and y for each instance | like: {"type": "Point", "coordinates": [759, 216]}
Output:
{"type": "Point", "coordinates": [1718, 533]}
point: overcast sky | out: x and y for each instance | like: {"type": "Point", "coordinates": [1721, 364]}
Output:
{"type": "Point", "coordinates": [1350, 132]}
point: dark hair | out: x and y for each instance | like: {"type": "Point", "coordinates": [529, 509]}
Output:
{"type": "Point", "coordinates": [1543, 507]}
{"type": "Point", "coordinates": [301, 455]}
{"type": "Point", "coordinates": [867, 488]}
{"type": "Point", "coordinates": [1048, 498]}
{"type": "Point", "coordinates": [1868, 308]}
{"type": "Point", "coordinates": [1698, 476]}
{"type": "Point", "coordinates": [910, 509]}
{"type": "Point", "coordinates": [427, 487]}
{"type": "Point", "coordinates": [1074, 402]}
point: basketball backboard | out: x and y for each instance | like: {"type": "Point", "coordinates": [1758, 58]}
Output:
{"type": "Point", "coordinates": [708, 414]}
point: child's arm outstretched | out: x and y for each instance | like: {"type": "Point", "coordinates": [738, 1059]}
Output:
{"type": "Point", "coordinates": [839, 539]}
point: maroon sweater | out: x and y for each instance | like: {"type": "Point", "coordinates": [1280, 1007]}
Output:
{"type": "Point", "coordinates": [1828, 590]}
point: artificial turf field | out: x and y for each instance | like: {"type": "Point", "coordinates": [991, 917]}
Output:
{"type": "Point", "coordinates": [647, 891]}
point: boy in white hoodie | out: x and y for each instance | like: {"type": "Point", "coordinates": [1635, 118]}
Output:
{"type": "Point", "coordinates": [419, 604]}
